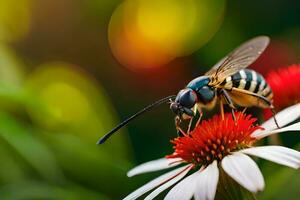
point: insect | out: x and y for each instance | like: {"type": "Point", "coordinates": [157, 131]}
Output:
{"type": "Point", "coordinates": [227, 82]}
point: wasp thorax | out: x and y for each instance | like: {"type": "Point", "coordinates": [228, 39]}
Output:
{"type": "Point", "coordinates": [205, 93]}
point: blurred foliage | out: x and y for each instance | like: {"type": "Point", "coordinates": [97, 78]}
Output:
{"type": "Point", "coordinates": [14, 74]}
{"type": "Point", "coordinates": [73, 102]}
{"type": "Point", "coordinates": [30, 153]}
{"type": "Point", "coordinates": [50, 120]}
{"type": "Point", "coordinates": [61, 87]}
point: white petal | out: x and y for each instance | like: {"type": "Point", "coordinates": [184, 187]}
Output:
{"type": "Point", "coordinates": [154, 165]}
{"type": "Point", "coordinates": [277, 154]}
{"type": "Point", "coordinates": [244, 171]}
{"type": "Point", "coordinates": [284, 117]}
{"type": "Point", "coordinates": [163, 187]}
{"type": "Point", "coordinates": [185, 189]}
{"type": "Point", "coordinates": [207, 182]}
{"type": "Point", "coordinates": [265, 133]}
{"type": "Point", "coordinates": [156, 182]}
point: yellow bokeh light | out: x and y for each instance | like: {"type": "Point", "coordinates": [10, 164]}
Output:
{"type": "Point", "coordinates": [130, 47]}
{"type": "Point", "coordinates": [167, 23]}
{"type": "Point", "coordinates": [15, 19]}
{"type": "Point", "coordinates": [150, 33]}
{"type": "Point", "coordinates": [167, 14]}
{"type": "Point", "coordinates": [69, 99]}
{"type": "Point", "coordinates": [66, 102]}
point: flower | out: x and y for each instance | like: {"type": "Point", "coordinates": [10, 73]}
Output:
{"type": "Point", "coordinates": [213, 140]}
{"type": "Point", "coordinates": [216, 144]}
{"type": "Point", "coordinates": [285, 84]}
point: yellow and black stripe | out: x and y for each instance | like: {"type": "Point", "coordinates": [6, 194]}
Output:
{"type": "Point", "coordinates": [249, 80]}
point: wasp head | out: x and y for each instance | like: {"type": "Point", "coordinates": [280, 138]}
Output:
{"type": "Point", "coordinates": [184, 102]}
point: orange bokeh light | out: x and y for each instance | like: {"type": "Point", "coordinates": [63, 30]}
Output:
{"type": "Point", "coordinates": [144, 33]}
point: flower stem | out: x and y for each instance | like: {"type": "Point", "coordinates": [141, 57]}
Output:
{"type": "Point", "coordinates": [228, 189]}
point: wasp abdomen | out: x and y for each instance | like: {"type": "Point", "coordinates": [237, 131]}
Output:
{"type": "Point", "coordinates": [248, 80]}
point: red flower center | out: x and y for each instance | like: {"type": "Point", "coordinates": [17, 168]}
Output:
{"type": "Point", "coordinates": [285, 84]}
{"type": "Point", "coordinates": [215, 138]}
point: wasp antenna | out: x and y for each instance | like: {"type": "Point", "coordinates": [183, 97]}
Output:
{"type": "Point", "coordinates": [126, 121]}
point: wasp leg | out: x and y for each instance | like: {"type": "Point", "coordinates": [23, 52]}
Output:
{"type": "Point", "coordinates": [195, 109]}
{"type": "Point", "coordinates": [180, 132]}
{"type": "Point", "coordinates": [244, 110]}
{"type": "Point", "coordinates": [222, 108]}
{"type": "Point", "coordinates": [199, 119]}
{"type": "Point", "coordinates": [274, 114]}
{"type": "Point", "coordinates": [274, 139]}
{"type": "Point", "coordinates": [190, 125]}
{"type": "Point", "coordinates": [267, 101]}
{"type": "Point", "coordinates": [229, 102]}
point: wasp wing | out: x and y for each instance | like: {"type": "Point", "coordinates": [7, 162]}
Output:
{"type": "Point", "coordinates": [239, 58]}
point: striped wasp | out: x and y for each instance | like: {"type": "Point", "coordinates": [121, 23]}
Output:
{"type": "Point", "coordinates": [227, 82]}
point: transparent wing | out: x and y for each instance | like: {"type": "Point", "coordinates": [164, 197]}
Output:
{"type": "Point", "coordinates": [239, 58]}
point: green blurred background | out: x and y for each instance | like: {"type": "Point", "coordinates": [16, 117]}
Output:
{"type": "Point", "coordinates": [70, 70]}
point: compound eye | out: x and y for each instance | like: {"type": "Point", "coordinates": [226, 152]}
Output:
{"type": "Point", "coordinates": [187, 98]}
